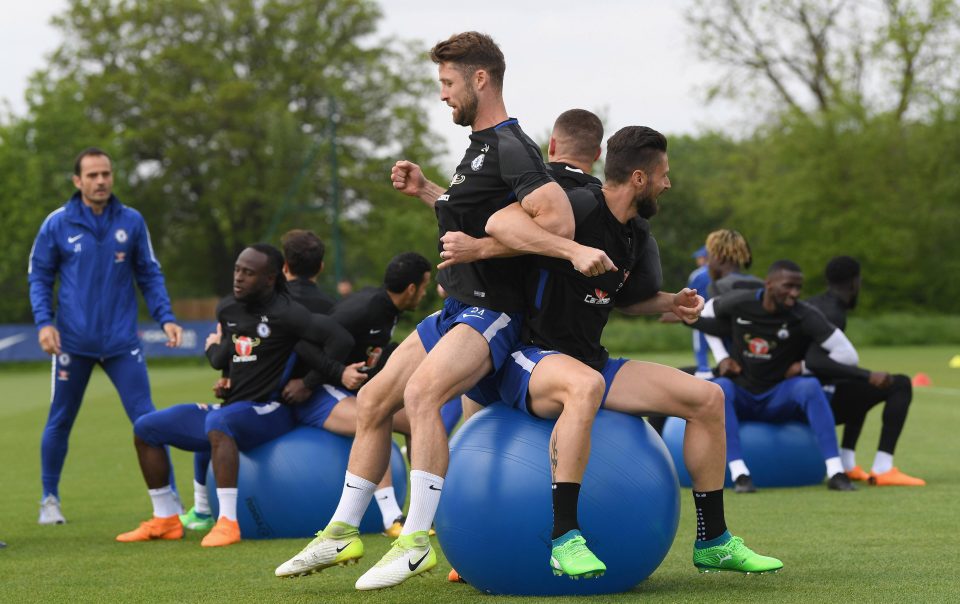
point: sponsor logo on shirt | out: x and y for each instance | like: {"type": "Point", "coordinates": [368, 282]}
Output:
{"type": "Point", "coordinates": [119, 257]}
{"type": "Point", "coordinates": [63, 375]}
{"type": "Point", "coordinates": [443, 198]}
{"type": "Point", "coordinates": [599, 297]}
{"type": "Point", "coordinates": [758, 348]}
{"type": "Point", "coordinates": [244, 346]}
{"type": "Point", "coordinates": [457, 179]}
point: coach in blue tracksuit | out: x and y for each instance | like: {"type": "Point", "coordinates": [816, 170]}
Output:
{"type": "Point", "coordinates": [99, 248]}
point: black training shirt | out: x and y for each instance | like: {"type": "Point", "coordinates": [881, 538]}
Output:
{"type": "Point", "coordinates": [766, 344]}
{"type": "Point", "coordinates": [309, 294]}
{"type": "Point", "coordinates": [502, 165]}
{"type": "Point", "coordinates": [258, 337]}
{"type": "Point", "coordinates": [567, 311]}
{"type": "Point", "coordinates": [570, 177]}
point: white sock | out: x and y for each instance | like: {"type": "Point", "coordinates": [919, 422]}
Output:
{"type": "Point", "coordinates": [165, 503]}
{"type": "Point", "coordinates": [425, 490]}
{"type": "Point", "coordinates": [228, 503]}
{"type": "Point", "coordinates": [849, 459]}
{"type": "Point", "coordinates": [834, 467]}
{"type": "Point", "coordinates": [882, 462]}
{"type": "Point", "coordinates": [354, 499]}
{"type": "Point", "coordinates": [200, 503]}
{"type": "Point", "coordinates": [387, 502]}
{"type": "Point", "coordinates": [738, 468]}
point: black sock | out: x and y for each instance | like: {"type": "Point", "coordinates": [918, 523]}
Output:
{"type": "Point", "coordinates": [710, 521]}
{"type": "Point", "coordinates": [565, 498]}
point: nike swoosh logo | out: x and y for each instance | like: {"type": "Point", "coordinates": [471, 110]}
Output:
{"type": "Point", "coordinates": [744, 321]}
{"type": "Point", "coordinates": [374, 332]}
{"type": "Point", "coordinates": [340, 549]}
{"type": "Point", "coordinates": [135, 352]}
{"type": "Point", "coordinates": [433, 488]}
{"type": "Point", "coordinates": [384, 498]}
{"type": "Point", "coordinates": [413, 566]}
{"type": "Point", "coordinates": [231, 324]}
{"type": "Point", "coordinates": [74, 238]}
{"type": "Point", "coordinates": [12, 341]}
{"type": "Point", "coordinates": [350, 486]}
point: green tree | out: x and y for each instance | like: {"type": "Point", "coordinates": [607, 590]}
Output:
{"type": "Point", "coordinates": [212, 107]}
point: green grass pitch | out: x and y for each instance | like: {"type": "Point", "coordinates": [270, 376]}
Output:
{"type": "Point", "coordinates": [876, 545]}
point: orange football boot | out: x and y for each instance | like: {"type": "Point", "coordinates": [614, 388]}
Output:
{"type": "Point", "coordinates": [168, 527]}
{"type": "Point", "coordinates": [857, 473]}
{"type": "Point", "coordinates": [895, 478]}
{"type": "Point", "coordinates": [224, 532]}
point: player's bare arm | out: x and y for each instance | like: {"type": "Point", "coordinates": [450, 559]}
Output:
{"type": "Point", "coordinates": [685, 304]}
{"type": "Point", "coordinates": [515, 227]}
{"type": "Point", "coordinates": [408, 178]}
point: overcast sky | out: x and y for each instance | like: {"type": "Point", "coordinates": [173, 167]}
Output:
{"type": "Point", "coordinates": [629, 60]}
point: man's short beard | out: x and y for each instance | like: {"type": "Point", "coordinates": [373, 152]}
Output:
{"type": "Point", "coordinates": [468, 110]}
{"type": "Point", "coordinates": [647, 206]}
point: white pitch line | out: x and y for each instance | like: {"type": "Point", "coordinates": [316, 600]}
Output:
{"type": "Point", "coordinates": [939, 390]}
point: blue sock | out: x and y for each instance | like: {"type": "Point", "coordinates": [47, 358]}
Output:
{"type": "Point", "coordinates": [726, 536]}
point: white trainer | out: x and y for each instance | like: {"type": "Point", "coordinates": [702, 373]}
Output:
{"type": "Point", "coordinates": [50, 511]}
{"type": "Point", "coordinates": [411, 555]}
{"type": "Point", "coordinates": [338, 544]}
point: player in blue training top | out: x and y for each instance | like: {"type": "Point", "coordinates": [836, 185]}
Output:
{"type": "Point", "coordinates": [698, 280]}
{"type": "Point", "coordinates": [98, 247]}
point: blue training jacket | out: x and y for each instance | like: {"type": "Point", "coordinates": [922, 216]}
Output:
{"type": "Point", "coordinates": [98, 260]}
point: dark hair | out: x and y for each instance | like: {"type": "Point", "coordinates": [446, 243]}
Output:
{"type": "Point", "coordinates": [470, 51]}
{"type": "Point", "coordinates": [88, 152]}
{"type": "Point", "coordinates": [842, 270]}
{"type": "Point", "coordinates": [580, 132]}
{"type": "Point", "coordinates": [274, 264]}
{"type": "Point", "coordinates": [405, 269]}
{"type": "Point", "coordinates": [784, 265]}
{"type": "Point", "coordinates": [303, 251]}
{"type": "Point", "coordinates": [633, 148]}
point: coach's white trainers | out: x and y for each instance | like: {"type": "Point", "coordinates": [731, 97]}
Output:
{"type": "Point", "coordinates": [339, 543]}
{"type": "Point", "coordinates": [50, 511]}
{"type": "Point", "coordinates": [410, 556]}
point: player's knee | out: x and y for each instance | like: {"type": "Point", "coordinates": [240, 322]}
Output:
{"type": "Point", "coordinates": [711, 404]}
{"type": "Point", "coordinates": [418, 395]}
{"type": "Point", "coordinates": [902, 383]}
{"type": "Point", "coordinates": [809, 389]}
{"type": "Point", "coordinates": [144, 429]}
{"type": "Point", "coordinates": [372, 409]}
{"type": "Point", "coordinates": [584, 393]}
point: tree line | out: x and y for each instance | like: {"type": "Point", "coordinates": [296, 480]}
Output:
{"type": "Point", "coordinates": [222, 116]}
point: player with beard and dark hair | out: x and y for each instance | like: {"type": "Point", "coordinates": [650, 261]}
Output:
{"type": "Point", "coordinates": [562, 371]}
{"type": "Point", "coordinates": [856, 390]}
{"type": "Point", "coordinates": [258, 328]}
{"type": "Point", "coordinates": [480, 321]}
{"type": "Point", "coordinates": [771, 331]}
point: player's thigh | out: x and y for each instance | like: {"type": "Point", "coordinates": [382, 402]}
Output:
{"type": "Point", "coordinates": [557, 381]}
{"type": "Point", "coordinates": [343, 417]}
{"type": "Point", "coordinates": [386, 388]}
{"type": "Point", "coordinates": [251, 424]}
{"type": "Point", "coordinates": [181, 426]}
{"type": "Point", "coordinates": [640, 388]}
{"type": "Point", "coordinates": [456, 364]}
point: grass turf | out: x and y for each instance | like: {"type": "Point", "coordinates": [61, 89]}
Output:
{"type": "Point", "coordinates": [877, 545]}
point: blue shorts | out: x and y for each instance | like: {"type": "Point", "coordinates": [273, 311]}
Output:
{"type": "Point", "coordinates": [500, 329]}
{"type": "Point", "coordinates": [513, 381]}
{"type": "Point", "coordinates": [317, 409]}
{"type": "Point", "coordinates": [186, 426]}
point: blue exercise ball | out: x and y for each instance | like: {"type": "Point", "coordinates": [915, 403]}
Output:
{"type": "Point", "coordinates": [290, 486]}
{"type": "Point", "coordinates": [777, 455]}
{"type": "Point", "coordinates": [495, 517]}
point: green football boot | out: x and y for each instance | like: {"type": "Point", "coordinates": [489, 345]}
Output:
{"type": "Point", "coordinates": [733, 556]}
{"type": "Point", "coordinates": [193, 521]}
{"type": "Point", "coordinates": [337, 545]}
{"type": "Point", "coordinates": [570, 556]}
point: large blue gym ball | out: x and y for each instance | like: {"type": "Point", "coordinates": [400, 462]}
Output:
{"type": "Point", "coordinates": [777, 455]}
{"type": "Point", "coordinates": [290, 486]}
{"type": "Point", "coordinates": [495, 517]}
